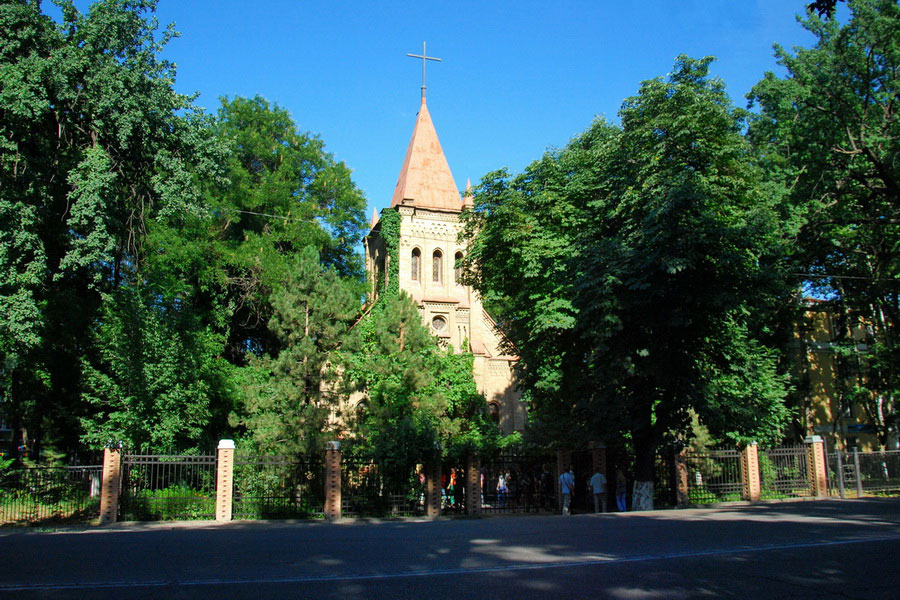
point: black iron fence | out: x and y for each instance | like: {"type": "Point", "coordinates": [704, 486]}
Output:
{"type": "Point", "coordinates": [157, 487]}
{"type": "Point", "coordinates": [278, 487]}
{"type": "Point", "coordinates": [784, 472]}
{"type": "Point", "coordinates": [164, 488]}
{"type": "Point", "coordinates": [713, 476]}
{"type": "Point", "coordinates": [49, 494]}
{"type": "Point", "coordinates": [519, 483]}
{"type": "Point", "coordinates": [379, 487]}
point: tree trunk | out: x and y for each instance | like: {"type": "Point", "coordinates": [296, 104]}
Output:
{"type": "Point", "coordinates": [644, 453]}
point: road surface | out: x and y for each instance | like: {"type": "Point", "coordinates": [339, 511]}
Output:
{"type": "Point", "coordinates": [822, 549]}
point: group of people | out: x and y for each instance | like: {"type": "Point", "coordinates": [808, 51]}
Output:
{"type": "Point", "coordinates": [526, 489]}
{"type": "Point", "coordinates": [596, 487]}
{"type": "Point", "coordinates": [533, 490]}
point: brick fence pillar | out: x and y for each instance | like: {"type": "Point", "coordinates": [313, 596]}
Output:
{"type": "Point", "coordinates": [224, 480]}
{"type": "Point", "coordinates": [750, 486]}
{"type": "Point", "coordinates": [110, 485]}
{"type": "Point", "coordinates": [433, 487]}
{"type": "Point", "coordinates": [332, 480]}
{"type": "Point", "coordinates": [473, 485]}
{"type": "Point", "coordinates": [680, 477]}
{"type": "Point", "coordinates": [563, 460]}
{"type": "Point", "coordinates": [815, 464]}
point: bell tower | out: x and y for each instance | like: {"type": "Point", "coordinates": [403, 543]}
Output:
{"type": "Point", "coordinates": [429, 207]}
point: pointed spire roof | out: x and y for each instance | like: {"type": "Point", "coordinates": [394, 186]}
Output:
{"type": "Point", "coordinates": [374, 218]}
{"type": "Point", "coordinates": [468, 200]}
{"type": "Point", "coordinates": [425, 180]}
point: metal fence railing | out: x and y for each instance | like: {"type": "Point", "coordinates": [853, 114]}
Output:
{"type": "Point", "coordinates": [278, 487]}
{"type": "Point", "coordinates": [372, 487]}
{"type": "Point", "coordinates": [857, 473]}
{"type": "Point", "coordinates": [164, 488]}
{"type": "Point", "coordinates": [529, 484]}
{"type": "Point", "coordinates": [879, 471]}
{"type": "Point", "coordinates": [49, 494]}
{"type": "Point", "coordinates": [713, 476]}
{"type": "Point", "coordinates": [784, 473]}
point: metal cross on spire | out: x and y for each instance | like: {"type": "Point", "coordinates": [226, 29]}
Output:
{"type": "Point", "coordinates": [424, 56]}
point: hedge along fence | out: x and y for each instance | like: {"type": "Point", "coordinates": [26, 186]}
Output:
{"type": "Point", "coordinates": [49, 494]}
{"type": "Point", "coordinates": [166, 488]}
{"type": "Point", "coordinates": [278, 487]}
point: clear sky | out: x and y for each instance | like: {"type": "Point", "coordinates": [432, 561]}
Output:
{"type": "Point", "coordinates": [516, 78]}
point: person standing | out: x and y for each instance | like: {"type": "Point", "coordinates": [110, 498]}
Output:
{"type": "Point", "coordinates": [566, 487]}
{"type": "Point", "coordinates": [621, 487]}
{"type": "Point", "coordinates": [598, 488]}
{"type": "Point", "coordinates": [451, 489]}
{"type": "Point", "coordinates": [546, 483]}
{"type": "Point", "coordinates": [502, 490]}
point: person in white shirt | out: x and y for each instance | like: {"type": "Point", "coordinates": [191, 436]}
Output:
{"type": "Point", "coordinates": [598, 487]}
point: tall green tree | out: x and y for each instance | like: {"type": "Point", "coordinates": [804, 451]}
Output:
{"type": "Point", "coordinates": [289, 406]}
{"type": "Point", "coordinates": [829, 131]}
{"type": "Point", "coordinates": [157, 375]}
{"type": "Point", "coordinates": [645, 264]}
{"type": "Point", "coordinates": [681, 266]}
{"type": "Point", "coordinates": [96, 149]}
{"type": "Point", "coordinates": [417, 395]}
{"type": "Point", "coordinates": [283, 193]}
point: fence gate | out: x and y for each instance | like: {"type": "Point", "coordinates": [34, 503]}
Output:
{"type": "Point", "coordinates": [165, 488]}
{"type": "Point", "coordinates": [381, 487]}
{"type": "Point", "coordinates": [713, 476]}
{"type": "Point", "coordinates": [519, 483]}
{"type": "Point", "coordinates": [278, 487]}
{"type": "Point", "coordinates": [784, 473]}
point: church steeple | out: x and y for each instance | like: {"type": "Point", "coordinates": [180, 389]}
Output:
{"type": "Point", "coordinates": [425, 179]}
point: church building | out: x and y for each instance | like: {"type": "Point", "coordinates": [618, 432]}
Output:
{"type": "Point", "coordinates": [429, 205]}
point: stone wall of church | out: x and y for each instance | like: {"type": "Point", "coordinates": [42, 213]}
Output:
{"type": "Point", "coordinates": [428, 251]}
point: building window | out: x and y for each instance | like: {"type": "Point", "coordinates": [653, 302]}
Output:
{"type": "Point", "coordinates": [437, 266]}
{"type": "Point", "coordinates": [438, 323]}
{"type": "Point", "coordinates": [414, 263]}
{"type": "Point", "coordinates": [457, 268]}
{"type": "Point", "coordinates": [494, 411]}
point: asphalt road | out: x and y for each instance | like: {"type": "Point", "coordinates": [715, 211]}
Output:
{"type": "Point", "coordinates": [823, 550]}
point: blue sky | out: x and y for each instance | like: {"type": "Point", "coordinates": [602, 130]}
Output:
{"type": "Point", "coordinates": [516, 78]}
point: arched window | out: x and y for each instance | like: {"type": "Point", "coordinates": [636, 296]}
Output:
{"type": "Point", "coordinates": [457, 268]}
{"type": "Point", "coordinates": [414, 264]}
{"type": "Point", "coordinates": [494, 410]}
{"type": "Point", "coordinates": [437, 266]}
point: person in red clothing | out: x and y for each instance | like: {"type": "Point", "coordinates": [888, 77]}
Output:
{"type": "Point", "coordinates": [451, 488]}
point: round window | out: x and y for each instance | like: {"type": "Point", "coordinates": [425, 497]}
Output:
{"type": "Point", "coordinates": [438, 323]}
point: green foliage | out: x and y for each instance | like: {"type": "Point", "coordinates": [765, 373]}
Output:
{"type": "Point", "coordinates": [638, 267]}
{"type": "Point", "coordinates": [283, 193]}
{"type": "Point", "coordinates": [419, 396]}
{"type": "Point", "coordinates": [175, 503]}
{"type": "Point", "coordinates": [154, 365]}
{"type": "Point", "coordinates": [828, 132]}
{"type": "Point", "coordinates": [96, 149]}
{"type": "Point", "coordinates": [390, 233]}
{"type": "Point", "coordinates": [288, 408]}
{"type": "Point", "coordinates": [143, 244]}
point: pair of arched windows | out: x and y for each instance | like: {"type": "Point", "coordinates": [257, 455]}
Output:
{"type": "Point", "coordinates": [437, 266]}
